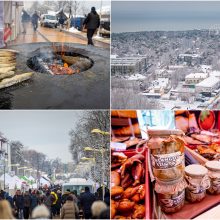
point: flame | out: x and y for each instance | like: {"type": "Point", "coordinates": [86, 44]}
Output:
{"type": "Point", "coordinates": [65, 65]}
{"type": "Point", "coordinates": [62, 48]}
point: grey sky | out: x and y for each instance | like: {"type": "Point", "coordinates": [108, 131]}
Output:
{"type": "Point", "coordinates": [44, 131]}
{"type": "Point", "coordinates": [160, 15]}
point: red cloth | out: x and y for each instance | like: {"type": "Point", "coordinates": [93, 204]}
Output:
{"type": "Point", "coordinates": [191, 210]}
{"type": "Point", "coordinates": [7, 33]}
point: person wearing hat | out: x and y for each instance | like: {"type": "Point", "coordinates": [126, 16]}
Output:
{"type": "Point", "coordinates": [91, 23]}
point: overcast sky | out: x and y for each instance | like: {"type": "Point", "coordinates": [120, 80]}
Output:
{"type": "Point", "coordinates": [151, 16]}
{"type": "Point", "coordinates": [44, 131]}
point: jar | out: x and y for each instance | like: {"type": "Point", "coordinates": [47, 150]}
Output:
{"type": "Point", "coordinates": [198, 181]}
{"type": "Point", "coordinates": [167, 154]}
{"type": "Point", "coordinates": [214, 176]}
{"type": "Point", "coordinates": [171, 195]}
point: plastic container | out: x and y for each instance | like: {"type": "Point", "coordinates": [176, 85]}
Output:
{"type": "Point", "coordinates": [171, 195]}
{"type": "Point", "coordinates": [167, 154]}
{"type": "Point", "coordinates": [198, 181]}
{"type": "Point", "coordinates": [214, 176]}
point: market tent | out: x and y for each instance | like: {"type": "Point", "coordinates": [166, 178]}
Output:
{"type": "Point", "coordinates": [11, 181]}
{"type": "Point", "coordinates": [44, 181]}
{"type": "Point", "coordinates": [31, 178]}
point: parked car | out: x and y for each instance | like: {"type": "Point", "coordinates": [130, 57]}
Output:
{"type": "Point", "coordinates": [48, 21]}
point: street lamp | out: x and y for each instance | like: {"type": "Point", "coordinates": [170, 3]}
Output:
{"type": "Point", "coordinates": [98, 131]}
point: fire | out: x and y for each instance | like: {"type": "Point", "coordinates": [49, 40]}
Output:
{"type": "Point", "coordinates": [65, 65]}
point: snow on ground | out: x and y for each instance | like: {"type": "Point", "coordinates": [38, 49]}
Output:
{"type": "Point", "coordinates": [136, 77]}
{"type": "Point", "coordinates": [73, 30]}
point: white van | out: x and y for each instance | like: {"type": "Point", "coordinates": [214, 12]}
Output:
{"type": "Point", "coordinates": [48, 21]}
{"type": "Point", "coordinates": [78, 184]}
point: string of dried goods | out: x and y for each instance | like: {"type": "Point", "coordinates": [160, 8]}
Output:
{"type": "Point", "coordinates": [127, 186]}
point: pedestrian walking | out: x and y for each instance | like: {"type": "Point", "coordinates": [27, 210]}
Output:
{"type": "Point", "coordinates": [25, 18]}
{"type": "Point", "coordinates": [59, 202]}
{"type": "Point", "coordinates": [19, 204]}
{"type": "Point", "coordinates": [86, 201]}
{"type": "Point", "coordinates": [97, 208]}
{"type": "Point", "coordinates": [27, 204]}
{"type": "Point", "coordinates": [34, 201]}
{"type": "Point", "coordinates": [70, 209]}
{"type": "Point", "coordinates": [40, 212]}
{"type": "Point", "coordinates": [5, 210]}
{"type": "Point", "coordinates": [34, 19]}
{"type": "Point", "coordinates": [91, 23]}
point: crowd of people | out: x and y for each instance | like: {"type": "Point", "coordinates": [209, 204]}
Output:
{"type": "Point", "coordinates": [51, 203]}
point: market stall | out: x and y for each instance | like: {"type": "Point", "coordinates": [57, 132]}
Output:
{"type": "Point", "coordinates": [180, 153]}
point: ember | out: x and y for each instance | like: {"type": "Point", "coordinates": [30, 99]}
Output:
{"type": "Point", "coordinates": [61, 70]}
{"type": "Point", "coordinates": [59, 62]}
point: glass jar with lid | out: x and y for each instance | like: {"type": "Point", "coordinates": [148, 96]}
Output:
{"type": "Point", "coordinates": [167, 154]}
{"type": "Point", "coordinates": [198, 181]}
{"type": "Point", "coordinates": [214, 176]}
{"type": "Point", "coordinates": [171, 195]}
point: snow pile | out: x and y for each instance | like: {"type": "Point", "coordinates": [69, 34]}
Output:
{"type": "Point", "coordinates": [136, 77]}
{"type": "Point", "coordinates": [74, 30]}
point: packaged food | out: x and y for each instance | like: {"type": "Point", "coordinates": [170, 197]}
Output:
{"type": "Point", "coordinates": [171, 195]}
{"type": "Point", "coordinates": [198, 181]}
{"type": "Point", "coordinates": [167, 154]}
{"type": "Point", "coordinates": [214, 175]}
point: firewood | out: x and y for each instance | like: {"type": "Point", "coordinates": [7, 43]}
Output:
{"type": "Point", "coordinates": [6, 69]}
{"type": "Point", "coordinates": [15, 80]}
{"type": "Point", "coordinates": [6, 75]}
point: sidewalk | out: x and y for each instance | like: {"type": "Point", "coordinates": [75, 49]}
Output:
{"type": "Point", "coordinates": [55, 35]}
{"type": "Point", "coordinates": [99, 41]}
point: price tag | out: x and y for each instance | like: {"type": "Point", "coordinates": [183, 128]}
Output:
{"type": "Point", "coordinates": [116, 146]}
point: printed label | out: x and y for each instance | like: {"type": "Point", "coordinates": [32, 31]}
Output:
{"type": "Point", "coordinates": [173, 202]}
{"type": "Point", "coordinates": [165, 161]}
{"type": "Point", "coordinates": [118, 146]}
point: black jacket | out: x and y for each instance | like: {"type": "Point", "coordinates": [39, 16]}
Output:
{"type": "Point", "coordinates": [19, 201]}
{"type": "Point", "coordinates": [92, 21]}
{"type": "Point", "coordinates": [86, 200]}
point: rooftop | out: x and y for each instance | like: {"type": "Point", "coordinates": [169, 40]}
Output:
{"type": "Point", "coordinates": [196, 75]}
{"type": "Point", "coordinates": [209, 82]}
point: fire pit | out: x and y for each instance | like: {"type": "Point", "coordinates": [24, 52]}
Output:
{"type": "Point", "coordinates": [51, 87]}
{"type": "Point", "coordinates": [59, 60]}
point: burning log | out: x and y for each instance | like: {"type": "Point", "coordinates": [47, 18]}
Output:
{"type": "Point", "coordinates": [6, 75]}
{"type": "Point", "coordinates": [70, 59]}
{"type": "Point", "coordinates": [15, 79]}
{"type": "Point", "coordinates": [82, 64]}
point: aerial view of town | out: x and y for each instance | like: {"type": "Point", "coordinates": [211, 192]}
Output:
{"type": "Point", "coordinates": [173, 64]}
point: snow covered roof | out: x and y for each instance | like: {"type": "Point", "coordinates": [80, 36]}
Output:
{"type": "Point", "coordinates": [209, 82]}
{"type": "Point", "coordinates": [126, 60]}
{"type": "Point", "coordinates": [196, 76]}
{"type": "Point", "coordinates": [215, 73]}
{"type": "Point", "coordinates": [189, 55]}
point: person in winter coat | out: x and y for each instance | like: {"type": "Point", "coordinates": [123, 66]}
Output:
{"type": "Point", "coordinates": [25, 18]}
{"type": "Point", "coordinates": [40, 212]}
{"type": "Point", "coordinates": [18, 200]}
{"type": "Point", "coordinates": [59, 202]}
{"type": "Point", "coordinates": [5, 210]}
{"type": "Point", "coordinates": [86, 201]}
{"type": "Point", "coordinates": [27, 204]}
{"type": "Point", "coordinates": [97, 208]}
{"type": "Point", "coordinates": [69, 209]}
{"type": "Point", "coordinates": [34, 201]}
{"type": "Point", "coordinates": [91, 23]}
{"type": "Point", "coordinates": [34, 19]}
